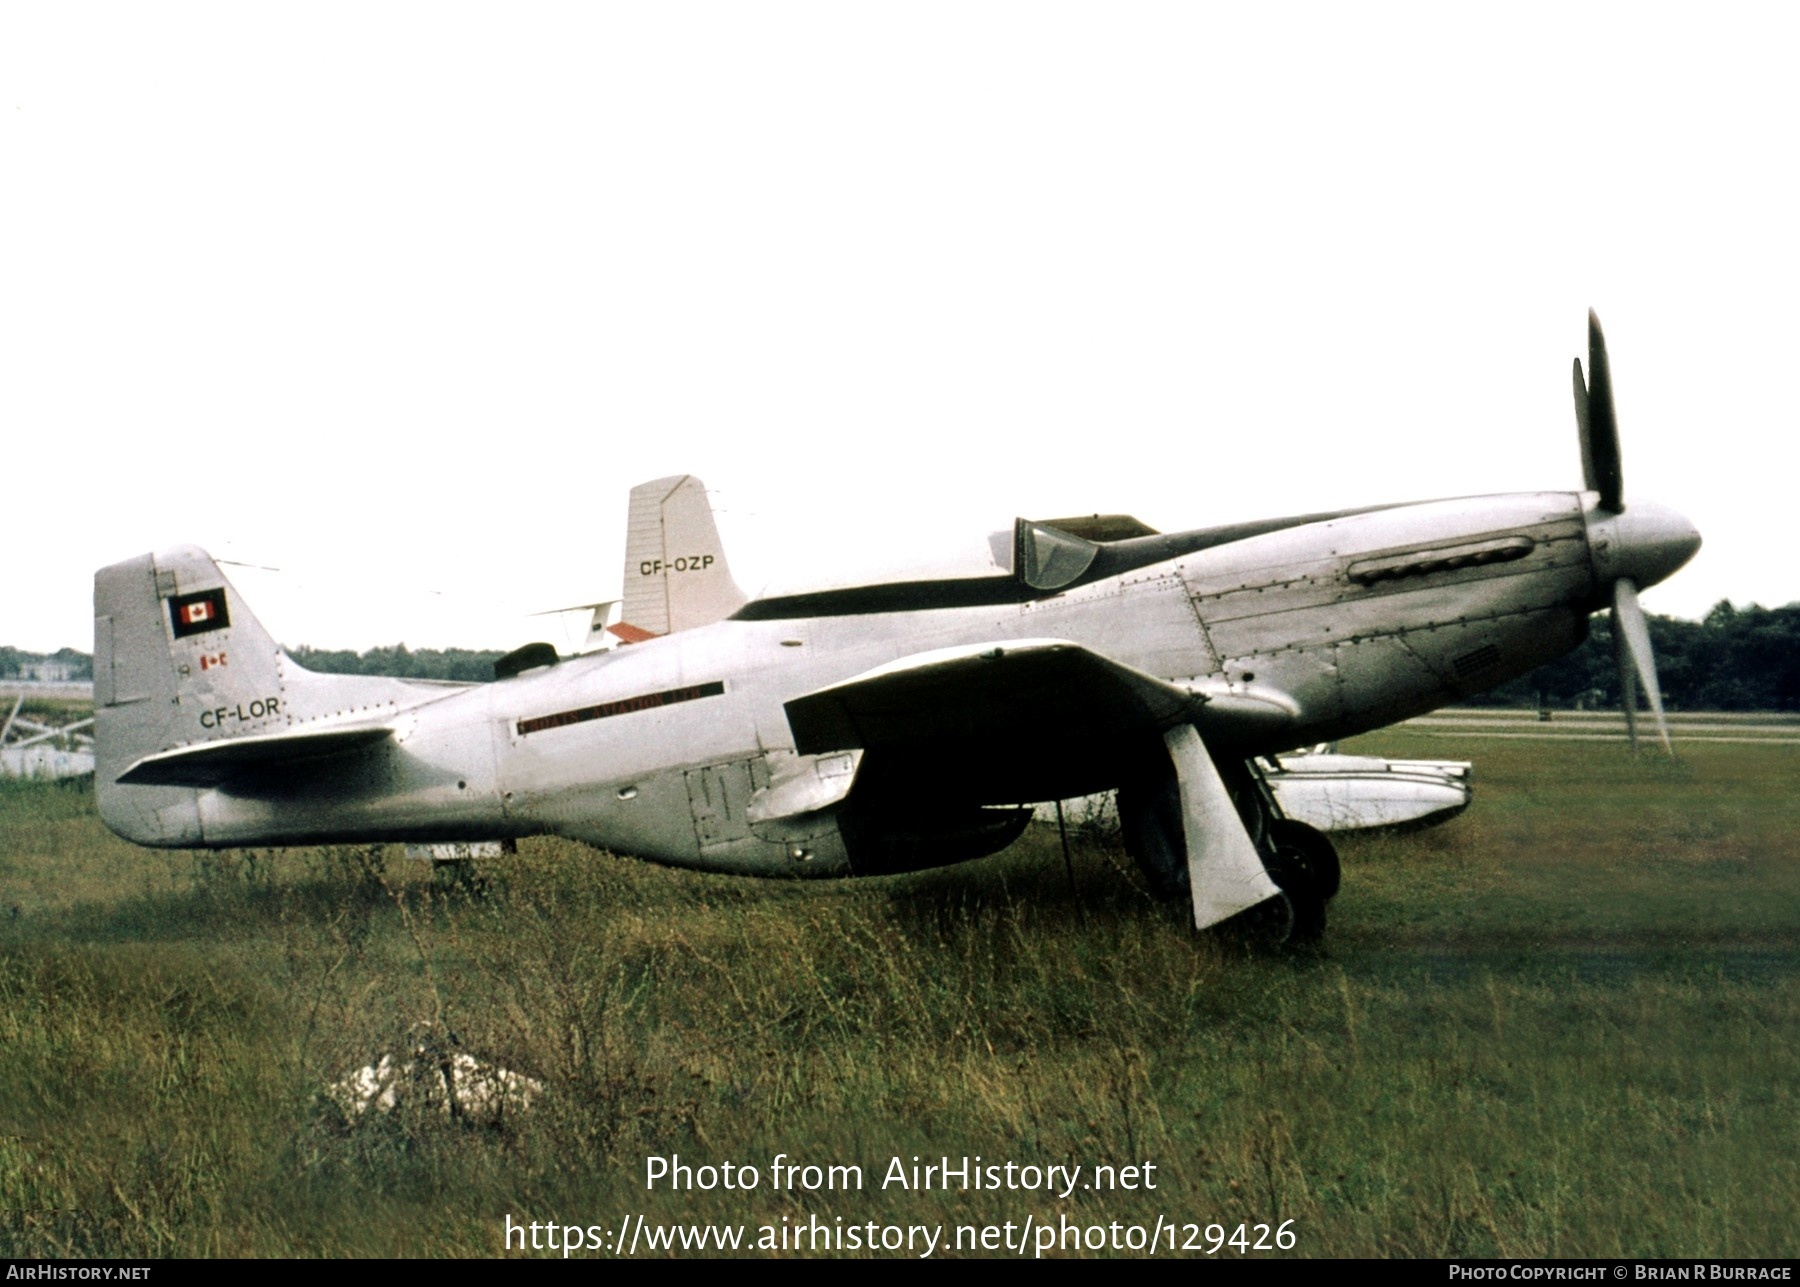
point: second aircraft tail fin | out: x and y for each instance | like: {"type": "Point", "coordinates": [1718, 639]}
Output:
{"type": "Point", "coordinates": [676, 577]}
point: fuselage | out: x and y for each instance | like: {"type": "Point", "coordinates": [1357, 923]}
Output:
{"type": "Point", "coordinates": [678, 749]}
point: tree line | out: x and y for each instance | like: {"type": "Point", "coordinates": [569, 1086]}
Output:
{"type": "Point", "coordinates": [397, 660]}
{"type": "Point", "coordinates": [1734, 659]}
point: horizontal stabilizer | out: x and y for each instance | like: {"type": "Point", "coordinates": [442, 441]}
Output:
{"type": "Point", "coordinates": [211, 763]}
{"type": "Point", "coordinates": [598, 608]}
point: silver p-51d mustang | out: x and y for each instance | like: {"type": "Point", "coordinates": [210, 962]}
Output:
{"type": "Point", "coordinates": [898, 725]}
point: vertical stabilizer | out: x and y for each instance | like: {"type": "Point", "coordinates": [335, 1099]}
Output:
{"type": "Point", "coordinates": [676, 577]}
{"type": "Point", "coordinates": [180, 661]}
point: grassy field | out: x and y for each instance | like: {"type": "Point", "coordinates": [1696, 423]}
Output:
{"type": "Point", "coordinates": [1563, 1024]}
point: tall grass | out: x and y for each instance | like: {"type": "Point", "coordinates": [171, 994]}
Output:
{"type": "Point", "coordinates": [1558, 1026]}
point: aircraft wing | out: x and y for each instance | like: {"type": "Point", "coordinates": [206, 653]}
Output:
{"type": "Point", "coordinates": [211, 763]}
{"type": "Point", "coordinates": [999, 722]}
{"type": "Point", "coordinates": [1045, 719]}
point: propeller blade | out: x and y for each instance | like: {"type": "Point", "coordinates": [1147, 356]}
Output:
{"type": "Point", "coordinates": [1589, 479]}
{"type": "Point", "coordinates": [1601, 468]}
{"type": "Point", "coordinates": [1631, 640]}
{"type": "Point", "coordinates": [1628, 689]}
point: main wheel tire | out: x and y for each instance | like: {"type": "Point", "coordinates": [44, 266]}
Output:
{"type": "Point", "coordinates": [1150, 826]}
{"type": "Point", "coordinates": [1304, 864]}
{"type": "Point", "coordinates": [1294, 916]}
{"type": "Point", "coordinates": [1313, 849]}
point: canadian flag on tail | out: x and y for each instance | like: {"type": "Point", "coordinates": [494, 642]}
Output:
{"type": "Point", "coordinates": [193, 614]}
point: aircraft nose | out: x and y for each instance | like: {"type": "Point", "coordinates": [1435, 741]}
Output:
{"type": "Point", "coordinates": [1646, 542]}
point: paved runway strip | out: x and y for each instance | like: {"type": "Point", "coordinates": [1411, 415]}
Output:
{"type": "Point", "coordinates": [1595, 726]}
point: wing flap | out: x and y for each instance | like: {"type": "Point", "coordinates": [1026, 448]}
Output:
{"type": "Point", "coordinates": [210, 764]}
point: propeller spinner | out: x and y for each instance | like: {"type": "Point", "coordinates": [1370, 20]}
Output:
{"type": "Point", "coordinates": [1630, 549]}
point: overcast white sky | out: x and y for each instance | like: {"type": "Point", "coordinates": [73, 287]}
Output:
{"type": "Point", "coordinates": [402, 299]}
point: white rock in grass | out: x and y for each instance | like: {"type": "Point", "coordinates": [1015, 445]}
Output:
{"type": "Point", "coordinates": [438, 1077]}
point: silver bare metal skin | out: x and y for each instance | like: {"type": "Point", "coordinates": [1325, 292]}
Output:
{"type": "Point", "coordinates": [1646, 543]}
{"type": "Point", "coordinates": [1277, 613]}
{"type": "Point", "coordinates": [886, 727]}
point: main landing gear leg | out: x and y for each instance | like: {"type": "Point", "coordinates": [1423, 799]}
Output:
{"type": "Point", "coordinates": [1219, 838]}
